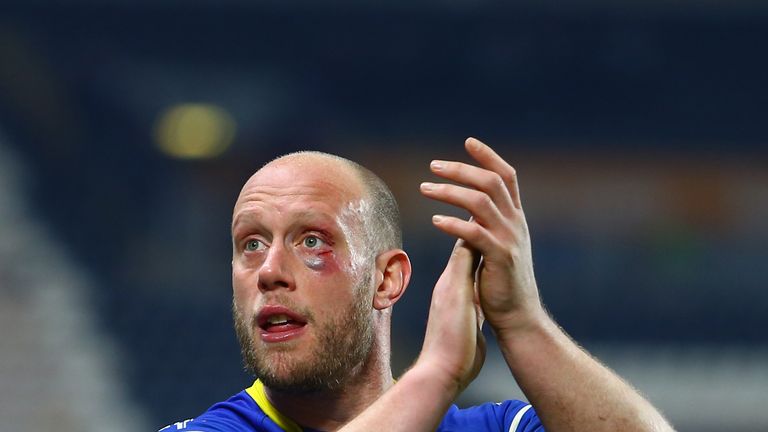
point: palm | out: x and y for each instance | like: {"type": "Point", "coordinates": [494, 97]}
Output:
{"type": "Point", "coordinates": [454, 340]}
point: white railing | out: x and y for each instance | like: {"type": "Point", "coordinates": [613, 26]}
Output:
{"type": "Point", "coordinates": [58, 371]}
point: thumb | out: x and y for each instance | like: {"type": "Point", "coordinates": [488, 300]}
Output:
{"type": "Point", "coordinates": [463, 261]}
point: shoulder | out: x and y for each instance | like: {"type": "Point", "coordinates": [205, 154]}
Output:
{"type": "Point", "coordinates": [237, 414]}
{"type": "Point", "coordinates": [507, 416]}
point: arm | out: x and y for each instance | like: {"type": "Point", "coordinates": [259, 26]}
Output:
{"type": "Point", "coordinates": [569, 389]}
{"type": "Point", "coordinates": [451, 357]}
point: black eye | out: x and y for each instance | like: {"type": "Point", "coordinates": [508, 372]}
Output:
{"type": "Point", "coordinates": [253, 245]}
{"type": "Point", "coordinates": [312, 242]}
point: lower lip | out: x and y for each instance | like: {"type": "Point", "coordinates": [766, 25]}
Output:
{"type": "Point", "coordinates": [282, 336]}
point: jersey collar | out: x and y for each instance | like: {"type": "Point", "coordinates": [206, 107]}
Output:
{"type": "Point", "coordinates": [256, 391]}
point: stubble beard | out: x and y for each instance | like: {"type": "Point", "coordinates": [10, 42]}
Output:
{"type": "Point", "coordinates": [342, 346]}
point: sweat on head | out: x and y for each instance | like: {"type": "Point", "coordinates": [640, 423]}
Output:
{"type": "Point", "coordinates": [372, 221]}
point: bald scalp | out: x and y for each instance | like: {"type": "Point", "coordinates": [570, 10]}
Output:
{"type": "Point", "coordinates": [381, 218]}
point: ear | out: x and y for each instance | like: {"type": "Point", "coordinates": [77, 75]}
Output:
{"type": "Point", "coordinates": [393, 272]}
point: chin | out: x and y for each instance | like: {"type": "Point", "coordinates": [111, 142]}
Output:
{"type": "Point", "coordinates": [285, 363]}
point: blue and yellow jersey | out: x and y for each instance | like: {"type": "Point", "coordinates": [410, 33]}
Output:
{"type": "Point", "coordinates": [251, 411]}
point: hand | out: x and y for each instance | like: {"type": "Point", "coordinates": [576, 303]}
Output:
{"type": "Point", "coordinates": [452, 355]}
{"type": "Point", "coordinates": [454, 345]}
{"type": "Point", "coordinates": [505, 281]}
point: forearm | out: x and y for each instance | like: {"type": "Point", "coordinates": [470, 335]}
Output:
{"type": "Point", "coordinates": [569, 389]}
{"type": "Point", "coordinates": [417, 402]}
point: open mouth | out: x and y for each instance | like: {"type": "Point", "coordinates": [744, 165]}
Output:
{"type": "Point", "coordinates": [278, 323]}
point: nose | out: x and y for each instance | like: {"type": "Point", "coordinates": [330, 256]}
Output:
{"type": "Point", "coordinates": [275, 271]}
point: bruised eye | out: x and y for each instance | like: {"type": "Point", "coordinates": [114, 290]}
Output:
{"type": "Point", "coordinates": [312, 242]}
{"type": "Point", "coordinates": [253, 245]}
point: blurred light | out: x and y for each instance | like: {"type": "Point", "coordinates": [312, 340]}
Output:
{"type": "Point", "coordinates": [194, 131]}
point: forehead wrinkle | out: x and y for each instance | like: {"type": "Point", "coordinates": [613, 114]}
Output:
{"type": "Point", "coordinates": [319, 215]}
{"type": "Point", "coordinates": [288, 180]}
{"type": "Point", "coordinates": [295, 187]}
{"type": "Point", "coordinates": [264, 192]}
{"type": "Point", "coordinates": [302, 216]}
{"type": "Point", "coordinates": [276, 195]}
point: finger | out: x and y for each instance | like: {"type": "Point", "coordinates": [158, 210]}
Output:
{"type": "Point", "coordinates": [481, 179]}
{"type": "Point", "coordinates": [474, 234]}
{"type": "Point", "coordinates": [459, 272]}
{"type": "Point", "coordinates": [463, 255]}
{"type": "Point", "coordinates": [489, 159]}
{"type": "Point", "coordinates": [463, 260]}
{"type": "Point", "coordinates": [477, 203]}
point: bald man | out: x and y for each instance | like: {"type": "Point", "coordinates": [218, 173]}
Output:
{"type": "Point", "coordinates": [317, 265]}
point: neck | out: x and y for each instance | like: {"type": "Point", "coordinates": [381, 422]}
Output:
{"type": "Point", "coordinates": [332, 409]}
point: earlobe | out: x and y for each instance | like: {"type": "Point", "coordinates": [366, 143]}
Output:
{"type": "Point", "coordinates": [393, 272]}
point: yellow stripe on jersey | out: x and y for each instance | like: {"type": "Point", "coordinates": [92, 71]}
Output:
{"type": "Point", "coordinates": [256, 391]}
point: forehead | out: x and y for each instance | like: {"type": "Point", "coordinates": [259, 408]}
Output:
{"type": "Point", "coordinates": [301, 186]}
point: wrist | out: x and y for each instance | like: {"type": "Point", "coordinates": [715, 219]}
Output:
{"type": "Point", "coordinates": [431, 378]}
{"type": "Point", "coordinates": [517, 325]}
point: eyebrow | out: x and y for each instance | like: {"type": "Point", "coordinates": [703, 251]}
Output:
{"type": "Point", "coordinates": [305, 217]}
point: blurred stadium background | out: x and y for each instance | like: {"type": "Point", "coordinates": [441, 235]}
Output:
{"type": "Point", "coordinates": [639, 130]}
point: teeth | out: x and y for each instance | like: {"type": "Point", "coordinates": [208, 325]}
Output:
{"type": "Point", "coordinates": [278, 319]}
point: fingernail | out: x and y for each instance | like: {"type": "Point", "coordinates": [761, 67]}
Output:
{"type": "Point", "coordinates": [437, 218]}
{"type": "Point", "coordinates": [473, 143]}
{"type": "Point", "coordinates": [427, 186]}
{"type": "Point", "coordinates": [437, 165]}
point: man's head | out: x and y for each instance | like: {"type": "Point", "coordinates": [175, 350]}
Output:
{"type": "Point", "coordinates": [317, 263]}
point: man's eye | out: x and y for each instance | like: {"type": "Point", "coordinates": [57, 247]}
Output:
{"type": "Point", "coordinates": [253, 245]}
{"type": "Point", "coordinates": [312, 242]}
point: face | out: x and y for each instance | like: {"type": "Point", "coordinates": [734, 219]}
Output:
{"type": "Point", "coordinates": [301, 276]}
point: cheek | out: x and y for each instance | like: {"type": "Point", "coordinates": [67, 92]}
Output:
{"type": "Point", "coordinates": [241, 292]}
{"type": "Point", "coordinates": [325, 263]}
